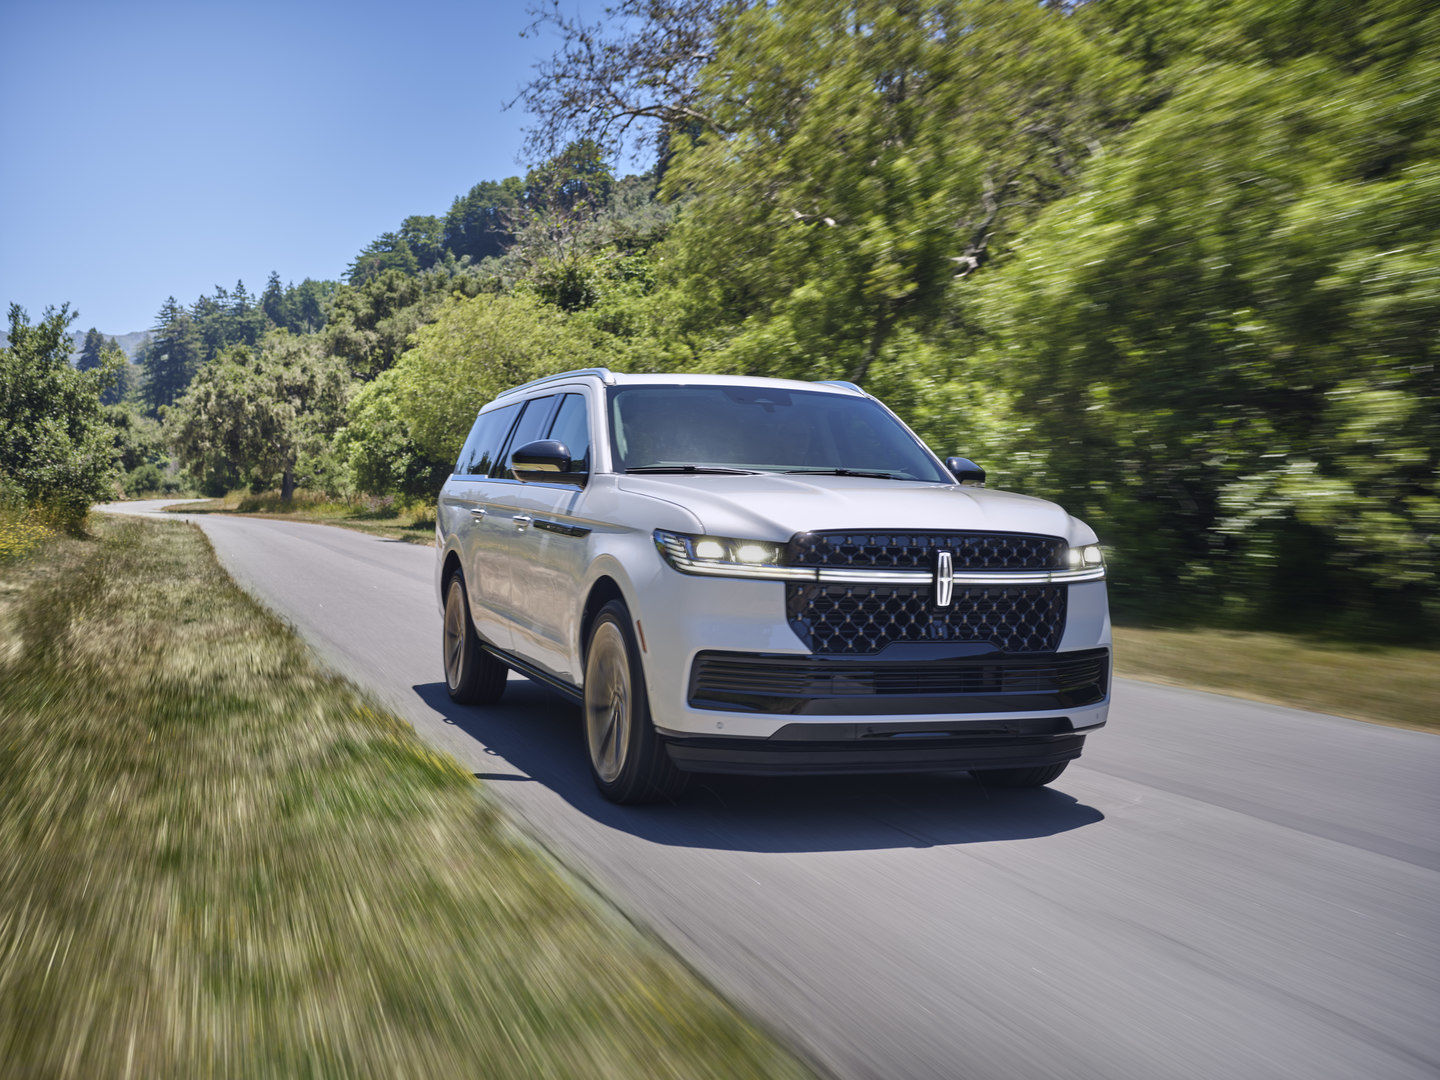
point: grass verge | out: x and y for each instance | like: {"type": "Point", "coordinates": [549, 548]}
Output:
{"type": "Point", "coordinates": [217, 859]}
{"type": "Point", "coordinates": [378, 516]}
{"type": "Point", "coordinates": [1385, 684]}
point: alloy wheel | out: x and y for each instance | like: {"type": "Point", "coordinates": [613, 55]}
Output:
{"type": "Point", "coordinates": [607, 702]}
{"type": "Point", "coordinates": [454, 632]}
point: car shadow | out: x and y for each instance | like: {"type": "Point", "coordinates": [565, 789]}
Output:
{"type": "Point", "coordinates": [539, 733]}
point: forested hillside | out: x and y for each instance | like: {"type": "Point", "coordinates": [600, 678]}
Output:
{"type": "Point", "coordinates": [1172, 264]}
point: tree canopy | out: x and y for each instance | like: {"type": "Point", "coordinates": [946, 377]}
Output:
{"type": "Point", "coordinates": [56, 448]}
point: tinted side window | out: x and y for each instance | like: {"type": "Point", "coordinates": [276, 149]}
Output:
{"type": "Point", "coordinates": [572, 427]}
{"type": "Point", "coordinates": [485, 440]}
{"type": "Point", "coordinates": [533, 423]}
{"type": "Point", "coordinates": [477, 432]}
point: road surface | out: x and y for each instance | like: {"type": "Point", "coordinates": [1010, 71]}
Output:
{"type": "Point", "coordinates": [1218, 889]}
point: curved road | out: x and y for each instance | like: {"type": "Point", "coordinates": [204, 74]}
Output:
{"type": "Point", "coordinates": [1217, 889]}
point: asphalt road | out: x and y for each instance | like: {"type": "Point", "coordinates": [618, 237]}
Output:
{"type": "Point", "coordinates": [1218, 889]}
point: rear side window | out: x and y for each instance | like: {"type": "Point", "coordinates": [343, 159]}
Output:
{"type": "Point", "coordinates": [486, 438]}
{"type": "Point", "coordinates": [534, 422]}
{"type": "Point", "coordinates": [572, 427]}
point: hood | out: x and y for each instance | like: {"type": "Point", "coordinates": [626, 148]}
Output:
{"type": "Point", "coordinates": [771, 507]}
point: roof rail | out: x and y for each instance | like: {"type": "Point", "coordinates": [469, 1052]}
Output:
{"type": "Point", "coordinates": [841, 383]}
{"type": "Point", "coordinates": [603, 374]}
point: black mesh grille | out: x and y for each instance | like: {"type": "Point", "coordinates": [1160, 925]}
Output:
{"type": "Point", "coordinates": [862, 619]}
{"type": "Point", "coordinates": [917, 550]}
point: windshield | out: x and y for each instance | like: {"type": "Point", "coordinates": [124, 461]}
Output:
{"type": "Point", "coordinates": [745, 428]}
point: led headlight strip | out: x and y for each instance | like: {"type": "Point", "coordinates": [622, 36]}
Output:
{"type": "Point", "coordinates": [720, 556]}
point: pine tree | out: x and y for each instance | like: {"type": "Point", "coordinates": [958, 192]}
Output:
{"type": "Point", "coordinates": [89, 358]}
{"type": "Point", "coordinates": [272, 302]}
{"type": "Point", "coordinates": [174, 354]}
{"type": "Point", "coordinates": [123, 385]}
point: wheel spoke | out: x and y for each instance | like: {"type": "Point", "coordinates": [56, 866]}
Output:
{"type": "Point", "coordinates": [607, 702]}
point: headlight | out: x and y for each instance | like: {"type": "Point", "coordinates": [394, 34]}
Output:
{"type": "Point", "coordinates": [1088, 557]}
{"type": "Point", "coordinates": [725, 556]}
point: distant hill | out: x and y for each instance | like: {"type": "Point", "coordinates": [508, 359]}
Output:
{"type": "Point", "coordinates": [129, 343]}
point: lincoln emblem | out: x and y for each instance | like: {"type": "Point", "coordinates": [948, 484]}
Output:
{"type": "Point", "coordinates": [944, 579]}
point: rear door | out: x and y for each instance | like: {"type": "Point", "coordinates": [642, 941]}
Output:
{"type": "Point", "coordinates": [471, 495]}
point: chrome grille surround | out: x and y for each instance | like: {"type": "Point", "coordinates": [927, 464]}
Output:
{"type": "Point", "coordinates": [909, 550]}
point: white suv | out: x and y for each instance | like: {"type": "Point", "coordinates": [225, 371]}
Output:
{"type": "Point", "coordinates": [764, 576]}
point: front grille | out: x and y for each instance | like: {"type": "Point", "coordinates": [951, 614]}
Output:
{"type": "Point", "coordinates": [917, 550]}
{"type": "Point", "coordinates": [817, 685]}
{"type": "Point", "coordinates": [862, 619]}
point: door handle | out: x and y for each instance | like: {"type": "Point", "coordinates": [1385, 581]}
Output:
{"type": "Point", "coordinates": [521, 520]}
{"type": "Point", "coordinates": [477, 511]}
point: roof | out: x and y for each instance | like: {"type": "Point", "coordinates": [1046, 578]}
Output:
{"type": "Point", "coordinates": [610, 378]}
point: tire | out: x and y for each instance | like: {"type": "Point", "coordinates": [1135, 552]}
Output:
{"type": "Point", "coordinates": [627, 756]}
{"type": "Point", "coordinates": [1035, 776]}
{"type": "Point", "coordinates": [472, 676]}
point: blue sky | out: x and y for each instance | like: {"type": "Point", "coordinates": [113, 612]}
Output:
{"type": "Point", "coordinates": [152, 149]}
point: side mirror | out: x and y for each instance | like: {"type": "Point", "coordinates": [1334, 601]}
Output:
{"type": "Point", "coordinates": [545, 460]}
{"type": "Point", "coordinates": [965, 471]}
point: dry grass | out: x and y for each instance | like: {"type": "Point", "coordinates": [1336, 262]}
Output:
{"type": "Point", "coordinates": [217, 859]}
{"type": "Point", "coordinates": [1380, 683]}
{"type": "Point", "coordinates": [378, 516]}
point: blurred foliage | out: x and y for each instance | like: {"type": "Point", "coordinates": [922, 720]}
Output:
{"type": "Point", "coordinates": [1225, 342]}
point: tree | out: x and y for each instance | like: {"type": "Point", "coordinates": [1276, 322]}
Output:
{"type": "Point", "coordinates": [863, 158]}
{"type": "Point", "coordinates": [55, 447]}
{"type": "Point", "coordinates": [478, 223]}
{"type": "Point", "coordinates": [424, 235]}
{"type": "Point", "coordinates": [88, 359]}
{"type": "Point", "coordinates": [272, 302]}
{"type": "Point", "coordinates": [1225, 341]}
{"type": "Point", "coordinates": [473, 350]}
{"type": "Point", "coordinates": [376, 451]}
{"type": "Point", "coordinates": [629, 81]}
{"type": "Point", "coordinates": [370, 325]}
{"type": "Point", "coordinates": [388, 251]}
{"type": "Point", "coordinates": [173, 355]}
{"type": "Point", "coordinates": [247, 319]}
{"type": "Point", "coordinates": [260, 411]}
{"type": "Point", "coordinates": [307, 304]}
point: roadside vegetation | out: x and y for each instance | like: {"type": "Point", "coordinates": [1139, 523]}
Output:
{"type": "Point", "coordinates": [1387, 684]}
{"type": "Point", "coordinates": [217, 859]}
{"type": "Point", "coordinates": [385, 515]}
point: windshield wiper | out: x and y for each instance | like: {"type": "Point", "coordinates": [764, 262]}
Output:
{"type": "Point", "coordinates": [873, 473]}
{"type": "Point", "coordinates": [690, 469]}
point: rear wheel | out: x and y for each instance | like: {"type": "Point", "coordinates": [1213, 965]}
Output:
{"type": "Point", "coordinates": [472, 675]}
{"type": "Point", "coordinates": [627, 756]}
{"type": "Point", "coordinates": [1036, 776]}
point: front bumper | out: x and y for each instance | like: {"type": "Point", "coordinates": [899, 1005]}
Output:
{"type": "Point", "coordinates": [682, 615]}
{"type": "Point", "coordinates": [828, 749]}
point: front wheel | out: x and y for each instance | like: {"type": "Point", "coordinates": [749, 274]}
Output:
{"type": "Point", "coordinates": [1036, 776]}
{"type": "Point", "coordinates": [472, 675]}
{"type": "Point", "coordinates": [627, 756]}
